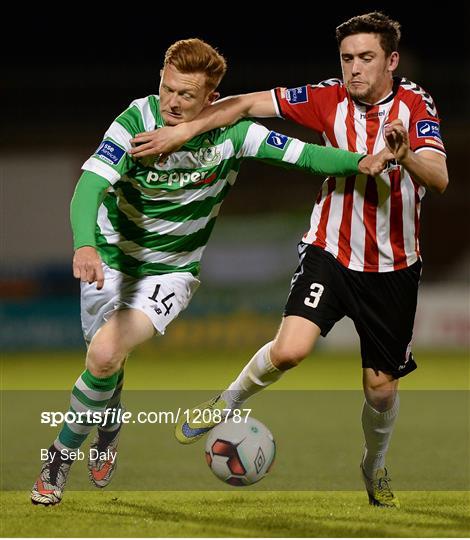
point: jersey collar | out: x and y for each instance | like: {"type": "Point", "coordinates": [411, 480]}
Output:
{"type": "Point", "coordinates": [386, 99]}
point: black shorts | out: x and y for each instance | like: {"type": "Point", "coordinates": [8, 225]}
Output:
{"type": "Point", "coordinates": [382, 306]}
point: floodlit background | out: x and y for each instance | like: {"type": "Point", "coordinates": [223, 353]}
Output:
{"type": "Point", "coordinates": [64, 84]}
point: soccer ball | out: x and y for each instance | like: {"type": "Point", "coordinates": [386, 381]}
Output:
{"type": "Point", "coordinates": [240, 452]}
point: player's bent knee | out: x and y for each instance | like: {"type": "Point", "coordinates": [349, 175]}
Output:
{"type": "Point", "coordinates": [381, 403]}
{"type": "Point", "coordinates": [287, 357]}
{"type": "Point", "coordinates": [381, 397]}
{"type": "Point", "coordinates": [103, 359]}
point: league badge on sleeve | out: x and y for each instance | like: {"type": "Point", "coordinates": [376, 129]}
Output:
{"type": "Point", "coordinates": [428, 128]}
{"type": "Point", "coordinates": [298, 95]}
{"type": "Point", "coordinates": [110, 152]}
{"type": "Point", "coordinates": [277, 140]}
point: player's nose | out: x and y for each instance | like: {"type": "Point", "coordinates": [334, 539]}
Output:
{"type": "Point", "coordinates": [174, 101]}
{"type": "Point", "coordinates": [355, 70]}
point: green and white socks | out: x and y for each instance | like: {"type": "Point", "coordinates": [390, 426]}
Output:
{"type": "Point", "coordinates": [111, 425]}
{"type": "Point", "coordinates": [90, 396]}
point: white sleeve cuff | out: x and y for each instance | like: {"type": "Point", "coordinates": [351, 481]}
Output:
{"type": "Point", "coordinates": [275, 103]}
{"type": "Point", "coordinates": [96, 166]}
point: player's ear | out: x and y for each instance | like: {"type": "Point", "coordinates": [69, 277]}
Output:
{"type": "Point", "coordinates": [393, 61]}
{"type": "Point", "coordinates": [213, 96]}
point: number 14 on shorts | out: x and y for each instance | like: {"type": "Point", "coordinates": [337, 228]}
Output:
{"type": "Point", "coordinates": [163, 301]}
{"type": "Point", "coordinates": [316, 290]}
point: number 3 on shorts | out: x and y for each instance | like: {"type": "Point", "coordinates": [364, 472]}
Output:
{"type": "Point", "coordinates": [316, 290]}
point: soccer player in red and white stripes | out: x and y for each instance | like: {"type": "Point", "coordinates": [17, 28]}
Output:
{"type": "Point", "coordinates": [360, 257]}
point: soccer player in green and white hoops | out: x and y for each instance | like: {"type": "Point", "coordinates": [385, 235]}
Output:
{"type": "Point", "coordinates": [140, 230]}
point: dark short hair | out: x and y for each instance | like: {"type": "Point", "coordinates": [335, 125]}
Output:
{"type": "Point", "coordinates": [386, 28]}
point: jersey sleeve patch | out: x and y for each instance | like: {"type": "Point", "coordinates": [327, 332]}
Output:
{"type": "Point", "coordinates": [277, 140]}
{"type": "Point", "coordinates": [428, 128]}
{"type": "Point", "coordinates": [294, 96]}
{"type": "Point", "coordinates": [110, 152]}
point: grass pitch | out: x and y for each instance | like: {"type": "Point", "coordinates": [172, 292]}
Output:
{"type": "Point", "coordinates": [239, 512]}
{"type": "Point", "coordinates": [214, 514]}
{"type": "Point", "coordinates": [157, 366]}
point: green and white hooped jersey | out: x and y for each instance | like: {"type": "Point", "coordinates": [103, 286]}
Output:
{"type": "Point", "coordinates": [157, 219]}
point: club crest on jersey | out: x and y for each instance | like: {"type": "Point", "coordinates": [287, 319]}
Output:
{"type": "Point", "coordinates": [208, 156]}
{"type": "Point", "coordinates": [110, 152]}
{"type": "Point", "coordinates": [277, 140]}
{"type": "Point", "coordinates": [428, 128]}
{"type": "Point", "coordinates": [297, 95]}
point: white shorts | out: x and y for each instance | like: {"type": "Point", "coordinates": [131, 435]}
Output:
{"type": "Point", "coordinates": [161, 298]}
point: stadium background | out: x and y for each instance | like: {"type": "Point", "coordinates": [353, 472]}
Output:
{"type": "Point", "coordinates": [63, 83]}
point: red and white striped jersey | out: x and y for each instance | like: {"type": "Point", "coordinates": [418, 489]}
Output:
{"type": "Point", "coordinates": [369, 224]}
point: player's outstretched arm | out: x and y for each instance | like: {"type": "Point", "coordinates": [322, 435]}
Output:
{"type": "Point", "coordinates": [222, 113]}
{"type": "Point", "coordinates": [83, 213]}
{"type": "Point", "coordinates": [330, 161]}
{"type": "Point", "coordinates": [283, 151]}
{"type": "Point", "coordinates": [428, 168]}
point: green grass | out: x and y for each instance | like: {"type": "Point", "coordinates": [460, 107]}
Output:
{"type": "Point", "coordinates": [213, 514]}
{"type": "Point", "coordinates": [246, 512]}
{"type": "Point", "coordinates": [157, 366]}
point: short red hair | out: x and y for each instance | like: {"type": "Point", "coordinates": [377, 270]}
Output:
{"type": "Point", "coordinates": [197, 56]}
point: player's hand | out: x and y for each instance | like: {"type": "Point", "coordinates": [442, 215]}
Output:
{"type": "Point", "coordinates": [159, 143]}
{"type": "Point", "coordinates": [87, 266]}
{"type": "Point", "coordinates": [373, 165]}
{"type": "Point", "coordinates": [397, 139]}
